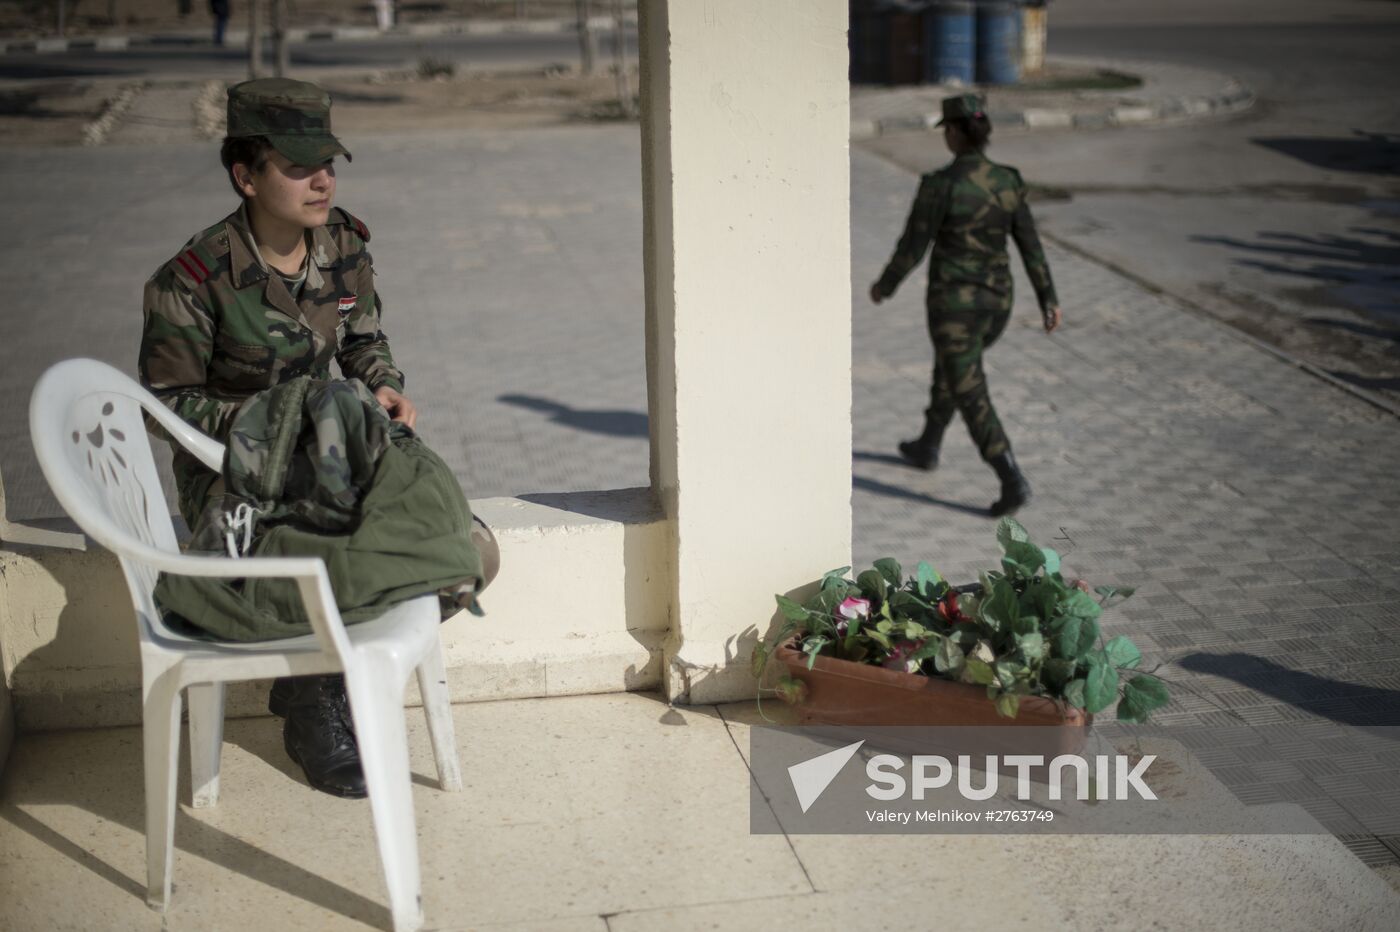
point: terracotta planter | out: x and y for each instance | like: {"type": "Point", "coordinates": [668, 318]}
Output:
{"type": "Point", "coordinates": [843, 693]}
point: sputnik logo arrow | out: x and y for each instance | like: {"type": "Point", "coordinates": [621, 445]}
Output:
{"type": "Point", "coordinates": [811, 777]}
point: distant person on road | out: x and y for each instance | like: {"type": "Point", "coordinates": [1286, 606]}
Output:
{"type": "Point", "coordinates": [220, 9]}
{"type": "Point", "coordinates": [966, 210]}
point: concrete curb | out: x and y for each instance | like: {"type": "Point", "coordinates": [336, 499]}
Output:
{"type": "Point", "coordinates": [239, 38]}
{"type": "Point", "coordinates": [1231, 97]}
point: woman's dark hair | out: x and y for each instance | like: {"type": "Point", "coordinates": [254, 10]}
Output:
{"type": "Point", "coordinates": [975, 130]}
{"type": "Point", "coordinates": [250, 150]}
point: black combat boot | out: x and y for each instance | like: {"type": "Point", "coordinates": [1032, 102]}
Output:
{"type": "Point", "coordinates": [922, 452]}
{"type": "Point", "coordinates": [280, 695]}
{"type": "Point", "coordinates": [320, 736]}
{"type": "Point", "coordinates": [1015, 490]}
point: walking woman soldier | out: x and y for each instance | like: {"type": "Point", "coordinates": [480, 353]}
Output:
{"type": "Point", "coordinates": [966, 210]}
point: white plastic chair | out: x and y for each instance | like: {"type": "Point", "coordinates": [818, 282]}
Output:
{"type": "Point", "coordinates": [85, 421]}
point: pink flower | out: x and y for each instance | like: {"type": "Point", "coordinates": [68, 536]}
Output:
{"type": "Point", "coordinates": [898, 658]}
{"type": "Point", "coordinates": [854, 608]}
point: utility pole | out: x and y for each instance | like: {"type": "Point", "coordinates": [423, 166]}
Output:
{"type": "Point", "coordinates": [254, 40]}
{"type": "Point", "coordinates": [281, 59]}
{"type": "Point", "coordinates": [587, 41]}
{"type": "Point", "coordinates": [624, 91]}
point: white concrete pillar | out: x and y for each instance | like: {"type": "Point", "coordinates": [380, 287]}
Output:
{"type": "Point", "coordinates": [746, 171]}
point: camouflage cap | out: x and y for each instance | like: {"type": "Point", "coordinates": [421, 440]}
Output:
{"type": "Point", "coordinates": [962, 107]}
{"type": "Point", "coordinates": [295, 116]}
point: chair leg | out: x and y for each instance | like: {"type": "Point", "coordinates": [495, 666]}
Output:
{"type": "Point", "coordinates": [376, 702]}
{"type": "Point", "coordinates": [437, 706]}
{"type": "Point", "coordinates": [206, 741]}
{"type": "Point", "coordinates": [160, 723]}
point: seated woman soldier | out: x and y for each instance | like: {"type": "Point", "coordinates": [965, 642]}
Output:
{"type": "Point", "coordinates": [273, 292]}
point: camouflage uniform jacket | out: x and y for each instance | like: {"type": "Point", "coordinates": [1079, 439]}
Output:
{"type": "Point", "coordinates": [966, 211]}
{"type": "Point", "coordinates": [316, 468]}
{"type": "Point", "coordinates": [220, 326]}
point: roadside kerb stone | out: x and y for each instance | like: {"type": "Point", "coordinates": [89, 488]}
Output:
{"type": "Point", "coordinates": [1169, 94]}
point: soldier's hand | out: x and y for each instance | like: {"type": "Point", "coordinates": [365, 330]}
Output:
{"type": "Point", "coordinates": [1052, 318]}
{"type": "Point", "coordinates": [398, 406]}
{"type": "Point", "coordinates": [875, 296]}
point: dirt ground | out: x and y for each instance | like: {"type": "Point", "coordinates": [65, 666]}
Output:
{"type": "Point", "coordinates": [28, 19]}
{"type": "Point", "coordinates": [68, 113]}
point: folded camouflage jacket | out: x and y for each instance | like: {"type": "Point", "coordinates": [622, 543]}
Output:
{"type": "Point", "coordinates": [315, 468]}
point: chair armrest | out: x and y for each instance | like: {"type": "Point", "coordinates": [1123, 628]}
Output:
{"type": "Point", "coordinates": [206, 449]}
{"type": "Point", "coordinates": [310, 574]}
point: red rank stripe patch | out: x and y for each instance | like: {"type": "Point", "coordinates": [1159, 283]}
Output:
{"type": "Point", "coordinates": [195, 266]}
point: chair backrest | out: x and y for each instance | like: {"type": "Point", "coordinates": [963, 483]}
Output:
{"type": "Point", "coordinates": [91, 443]}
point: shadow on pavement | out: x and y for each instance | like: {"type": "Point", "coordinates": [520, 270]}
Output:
{"type": "Point", "coordinates": [1337, 700]}
{"type": "Point", "coordinates": [893, 491]}
{"type": "Point", "coordinates": [1367, 153]}
{"type": "Point", "coordinates": [612, 422]}
{"type": "Point", "coordinates": [1360, 271]}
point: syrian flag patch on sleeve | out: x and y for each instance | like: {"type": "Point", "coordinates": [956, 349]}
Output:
{"type": "Point", "coordinates": [347, 304]}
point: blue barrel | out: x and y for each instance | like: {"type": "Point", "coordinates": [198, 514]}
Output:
{"type": "Point", "coordinates": [949, 27]}
{"type": "Point", "coordinates": [998, 43]}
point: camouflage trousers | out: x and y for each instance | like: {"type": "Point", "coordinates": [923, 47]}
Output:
{"type": "Point", "coordinates": [961, 332]}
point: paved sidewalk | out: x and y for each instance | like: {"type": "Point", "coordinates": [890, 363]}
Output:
{"type": "Point", "coordinates": [1253, 504]}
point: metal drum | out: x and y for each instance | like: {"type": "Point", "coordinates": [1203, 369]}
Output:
{"type": "Point", "coordinates": [998, 43]}
{"type": "Point", "coordinates": [949, 47]}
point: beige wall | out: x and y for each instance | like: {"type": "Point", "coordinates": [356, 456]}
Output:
{"type": "Point", "coordinates": [580, 606]}
{"type": "Point", "coordinates": [747, 194]}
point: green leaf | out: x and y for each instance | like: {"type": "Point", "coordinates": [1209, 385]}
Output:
{"type": "Point", "coordinates": [879, 637]}
{"type": "Point", "coordinates": [1008, 704]}
{"type": "Point", "coordinates": [1121, 652]}
{"type": "Point", "coordinates": [1009, 671]}
{"type": "Point", "coordinates": [852, 632]}
{"type": "Point", "coordinates": [1081, 605]}
{"type": "Point", "coordinates": [1032, 645]}
{"type": "Point", "coordinates": [1057, 672]}
{"type": "Point", "coordinates": [1066, 637]}
{"type": "Point", "coordinates": [884, 626]}
{"type": "Point", "coordinates": [872, 585]}
{"type": "Point", "coordinates": [1009, 531]}
{"type": "Point", "coordinates": [1074, 693]}
{"type": "Point", "coordinates": [915, 631]}
{"type": "Point", "coordinates": [1025, 623]}
{"type": "Point", "coordinates": [950, 659]}
{"type": "Point", "coordinates": [1042, 597]}
{"type": "Point", "coordinates": [929, 648]}
{"type": "Point", "coordinates": [791, 609]}
{"type": "Point", "coordinates": [759, 659]}
{"type": "Point", "coordinates": [1052, 560]}
{"type": "Point", "coordinates": [928, 578]}
{"type": "Point", "coordinates": [1022, 559]}
{"type": "Point", "coordinates": [791, 690]}
{"type": "Point", "coordinates": [999, 608]}
{"type": "Point", "coordinates": [1141, 696]}
{"type": "Point", "coordinates": [836, 577]}
{"type": "Point", "coordinates": [1088, 636]}
{"type": "Point", "coordinates": [1100, 688]}
{"type": "Point", "coordinates": [980, 672]}
{"type": "Point", "coordinates": [891, 570]}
